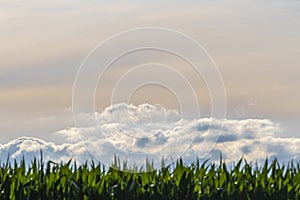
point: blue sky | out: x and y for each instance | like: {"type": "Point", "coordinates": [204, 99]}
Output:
{"type": "Point", "coordinates": [255, 44]}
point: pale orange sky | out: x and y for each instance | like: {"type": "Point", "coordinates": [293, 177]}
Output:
{"type": "Point", "coordinates": [256, 45]}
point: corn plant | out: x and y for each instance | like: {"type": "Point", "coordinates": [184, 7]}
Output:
{"type": "Point", "coordinates": [50, 180]}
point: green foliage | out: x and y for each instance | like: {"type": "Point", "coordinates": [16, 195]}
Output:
{"type": "Point", "coordinates": [51, 180]}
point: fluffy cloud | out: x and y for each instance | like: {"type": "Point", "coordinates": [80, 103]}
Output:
{"type": "Point", "coordinates": [136, 132]}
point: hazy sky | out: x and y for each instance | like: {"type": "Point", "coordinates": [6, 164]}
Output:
{"type": "Point", "coordinates": [256, 45]}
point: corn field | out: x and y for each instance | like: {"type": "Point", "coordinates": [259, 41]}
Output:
{"type": "Point", "coordinates": [205, 180]}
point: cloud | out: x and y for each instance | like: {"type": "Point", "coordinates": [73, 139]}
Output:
{"type": "Point", "coordinates": [136, 132]}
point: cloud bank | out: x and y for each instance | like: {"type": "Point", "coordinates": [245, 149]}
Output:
{"type": "Point", "coordinates": [136, 132]}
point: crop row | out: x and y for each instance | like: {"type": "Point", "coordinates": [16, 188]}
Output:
{"type": "Point", "coordinates": [205, 180]}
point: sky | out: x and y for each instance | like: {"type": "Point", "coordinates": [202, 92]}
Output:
{"type": "Point", "coordinates": [254, 44]}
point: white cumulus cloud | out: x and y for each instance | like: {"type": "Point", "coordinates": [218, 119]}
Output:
{"type": "Point", "coordinates": [136, 132]}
